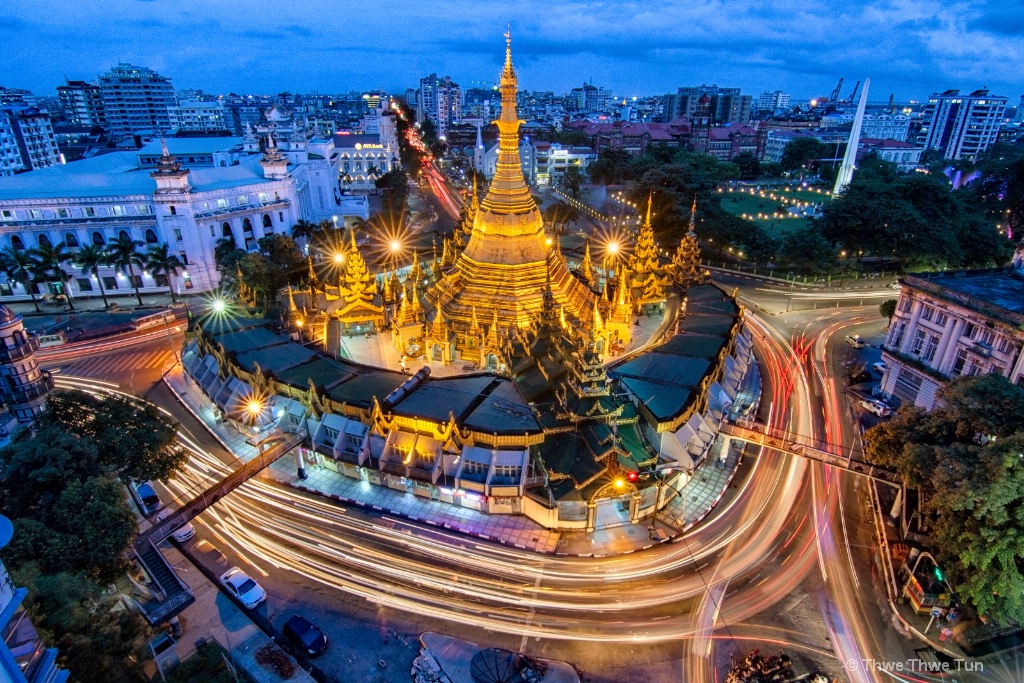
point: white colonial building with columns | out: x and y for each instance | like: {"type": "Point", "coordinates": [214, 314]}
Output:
{"type": "Point", "coordinates": [187, 193]}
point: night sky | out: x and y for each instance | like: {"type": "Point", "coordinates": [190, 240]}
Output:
{"type": "Point", "coordinates": [906, 47]}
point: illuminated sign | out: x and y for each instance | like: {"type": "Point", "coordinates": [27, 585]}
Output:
{"type": "Point", "coordinates": [360, 145]}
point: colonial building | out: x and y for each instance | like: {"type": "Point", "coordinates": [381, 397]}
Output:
{"type": "Point", "coordinates": [951, 324]}
{"type": "Point", "coordinates": [240, 190]}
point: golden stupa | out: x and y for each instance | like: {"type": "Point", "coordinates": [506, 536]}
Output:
{"type": "Point", "coordinates": [509, 260]}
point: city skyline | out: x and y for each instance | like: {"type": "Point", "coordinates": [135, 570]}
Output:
{"type": "Point", "coordinates": [908, 50]}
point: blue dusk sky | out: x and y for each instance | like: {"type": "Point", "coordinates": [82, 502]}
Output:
{"type": "Point", "coordinates": [907, 47]}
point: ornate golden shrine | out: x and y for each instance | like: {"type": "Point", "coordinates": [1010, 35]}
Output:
{"type": "Point", "coordinates": [504, 266]}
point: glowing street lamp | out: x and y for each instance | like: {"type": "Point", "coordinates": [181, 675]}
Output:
{"type": "Point", "coordinates": [219, 306]}
{"type": "Point", "coordinates": [339, 257]}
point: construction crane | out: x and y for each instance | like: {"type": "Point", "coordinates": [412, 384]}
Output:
{"type": "Point", "coordinates": [853, 95]}
{"type": "Point", "coordinates": [834, 97]}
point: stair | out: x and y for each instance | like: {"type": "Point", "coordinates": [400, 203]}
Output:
{"type": "Point", "coordinates": [176, 596]}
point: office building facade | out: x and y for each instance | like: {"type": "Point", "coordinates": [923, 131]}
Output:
{"type": "Point", "coordinates": [135, 100]}
{"type": "Point", "coordinates": [961, 126]}
{"type": "Point", "coordinates": [440, 100]}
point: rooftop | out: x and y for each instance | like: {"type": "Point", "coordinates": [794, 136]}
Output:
{"type": "Point", "coordinates": [997, 293]}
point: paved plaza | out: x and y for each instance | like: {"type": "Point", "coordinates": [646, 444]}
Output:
{"type": "Point", "coordinates": [690, 504]}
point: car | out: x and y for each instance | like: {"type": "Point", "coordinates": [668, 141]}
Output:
{"type": "Point", "coordinates": [211, 557]}
{"type": "Point", "coordinates": [876, 407]}
{"type": "Point", "coordinates": [303, 634]}
{"type": "Point", "coordinates": [856, 341]}
{"type": "Point", "coordinates": [183, 532]}
{"type": "Point", "coordinates": [895, 284]}
{"type": "Point", "coordinates": [242, 587]}
{"type": "Point", "coordinates": [146, 497]}
{"type": "Point", "coordinates": [880, 367]}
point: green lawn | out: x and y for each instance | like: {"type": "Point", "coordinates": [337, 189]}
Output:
{"type": "Point", "coordinates": [748, 203]}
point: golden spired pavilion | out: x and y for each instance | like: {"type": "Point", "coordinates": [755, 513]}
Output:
{"type": "Point", "coordinates": [509, 262]}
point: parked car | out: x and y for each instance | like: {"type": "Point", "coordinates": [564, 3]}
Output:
{"type": "Point", "coordinates": [146, 497]}
{"type": "Point", "coordinates": [856, 341]}
{"type": "Point", "coordinates": [212, 557]}
{"type": "Point", "coordinates": [880, 367]}
{"type": "Point", "coordinates": [303, 634]}
{"type": "Point", "coordinates": [242, 587]}
{"type": "Point", "coordinates": [876, 407]}
{"type": "Point", "coordinates": [183, 532]}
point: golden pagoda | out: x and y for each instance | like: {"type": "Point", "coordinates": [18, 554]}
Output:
{"type": "Point", "coordinates": [504, 265]}
{"type": "Point", "coordinates": [358, 308]}
{"type": "Point", "coordinates": [648, 282]}
{"type": "Point", "coordinates": [685, 268]}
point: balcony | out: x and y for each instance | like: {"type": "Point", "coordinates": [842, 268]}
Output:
{"type": "Point", "coordinates": [22, 350]}
{"type": "Point", "coordinates": [28, 392]}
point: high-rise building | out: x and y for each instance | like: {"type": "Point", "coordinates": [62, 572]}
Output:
{"type": "Point", "coordinates": [961, 126]}
{"type": "Point", "coordinates": [770, 101]}
{"type": "Point", "coordinates": [440, 100]}
{"type": "Point", "coordinates": [26, 140]}
{"type": "Point", "coordinates": [728, 105]}
{"type": "Point", "coordinates": [16, 96]}
{"type": "Point", "coordinates": [589, 99]}
{"type": "Point", "coordinates": [82, 103]}
{"type": "Point", "coordinates": [136, 99]}
{"type": "Point", "coordinates": [200, 117]}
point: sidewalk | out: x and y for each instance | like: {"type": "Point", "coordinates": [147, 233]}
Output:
{"type": "Point", "coordinates": [694, 502]}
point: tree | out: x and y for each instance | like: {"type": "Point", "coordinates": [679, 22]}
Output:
{"type": "Point", "coordinates": [887, 309]}
{"type": "Point", "coordinates": [749, 165]}
{"type": "Point", "coordinates": [966, 458]}
{"type": "Point", "coordinates": [123, 254]}
{"type": "Point", "coordinates": [808, 248]}
{"type": "Point", "coordinates": [48, 265]}
{"type": "Point", "coordinates": [160, 261]}
{"type": "Point", "coordinates": [804, 152]}
{"type": "Point", "coordinates": [572, 180]}
{"type": "Point", "coordinates": [17, 266]}
{"type": "Point", "coordinates": [90, 258]}
{"type": "Point", "coordinates": [395, 186]}
{"type": "Point", "coordinates": [97, 639]}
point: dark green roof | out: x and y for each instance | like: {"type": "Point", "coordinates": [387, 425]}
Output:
{"type": "Point", "coordinates": [321, 370]}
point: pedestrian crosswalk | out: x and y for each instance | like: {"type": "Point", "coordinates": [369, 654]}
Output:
{"type": "Point", "coordinates": [109, 364]}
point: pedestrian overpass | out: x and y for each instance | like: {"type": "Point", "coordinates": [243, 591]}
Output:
{"type": "Point", "coordinates": [836, 455]}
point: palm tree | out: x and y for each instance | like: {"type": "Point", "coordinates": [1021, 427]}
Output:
{"type": "Point", "coordinates": [90, 258]}
{"type": "Point", "coordinates": [48, 264]}
{"type": "Point", "coordinates": [17, 265]}
{"type": "Point", "coordinates": [123, 254]}
{"type": "Point", "coordinates": [160, 262]}
{"type": "Point", "coordinates": [303, 229]}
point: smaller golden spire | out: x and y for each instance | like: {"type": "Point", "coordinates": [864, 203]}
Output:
{"type": "Point", "coordinates": [693, 216]}
{"type": "Point", "coordinates": [474, 327]}
{"type": "Point", "coordinates": [650, 197]}
{"type": "Point", "coordinates": [587, 267]}
{"type": "Point", "coordinates": [312, 273]}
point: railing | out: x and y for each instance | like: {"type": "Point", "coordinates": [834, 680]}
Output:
{"type": "Point", "coordinates": [36, 389]}
{"type": "Point", "coordinates": [221, 488]}
{"type": "Point", "coordinates": [837, 455]}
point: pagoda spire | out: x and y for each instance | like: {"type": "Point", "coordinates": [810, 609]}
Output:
{"type": "Point", "coordinates": [693, 216]}
{"type": "Point", "coordinates": [507, 193]}
{"type": "Point", "coordinates": [492, 333]}
{"type": "Point", "coordinates": [312, 273]}
{"type": "Point", "coordinates": [440, 328]}
{"type": "Point", "coordinates": [587, 267]}
{"type": "Point", "coordinates": [644, 259]}
{"type": "Point", "coordinates": [474, 327]}
{"type": "Point", "coordinates": [356, 282]}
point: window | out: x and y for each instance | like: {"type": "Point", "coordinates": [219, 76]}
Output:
{"type": "Point", "coordinates": [173, 209]}
{"type": "Point", "coordinates": [90, 212]}
{"type": "Point", "coordinates": [16, 242]}
{"type": "Point", "coordinates": [84, 285]}
{"type": "Point", "coordinates": [222, 203]}
{"type": "Point", "coordinates": [123, 235]}
{"type": "Point", "coordinates": [986, 337]}
{"type": "Point", "coordinates": [117, 210]}
{"type": "Point", "coordinates": [36, 214]}
{"type": "Point", "coordinates": [896, 336]}
{"type": "Point", "coordinates": [63, 213]}
{"type": "Point", "coordinates": [941, 318]}
{"type": "Point", "coordinates": [184, 261]}
{"type": "Point", "coordinates": [177, 234]}
{"type": "Point", "coordinates": [267, 223]}
{"type": "Point", "coordinates": [243, 199]}
{"type": "Point", "coordinates": [161, 280]}
{"type": "Point", "coordinates": [1007, 346]}
{"type": "Point", "coordinates": [280, 216]}
{"type": "Point", "coordinates": [928, 313]}
{"type": "Point", "coordinates": [970, 329]}
{"type": "Point", "coordinates": [71, 240]}
{"type": "Point", "coordinates": [247, 225]}
{"type": "Point", "coordinates": [960, 363]}
{"type": "Point", "coordinates": [109, 282]}
{"type": "Point", "coordinates": [930, 346]}
{"type": "Point", "coordinates": [44, 241]}
{"type": "Point", "coordinates": [136, 280]}
{"type": "Point", "coordinates": [7, 215]}
{"type": "Point", "coordinates": [918, 343]}
{"type": "Point", "coordinates": [150, 236]}
{"type": "Point", "coordinates": [263, 196]}
{"type": "Point", "coordinates": [146, 210]}
{"type": "Point", "coordinates": [97, 239]}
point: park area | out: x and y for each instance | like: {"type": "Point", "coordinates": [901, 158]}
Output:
{"type": "Point", "coordinates": [762, 205]}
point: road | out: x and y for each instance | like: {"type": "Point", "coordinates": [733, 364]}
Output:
{"type": "Point", "coordinates": [683, 607]}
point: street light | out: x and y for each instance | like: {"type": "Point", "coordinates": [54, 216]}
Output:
{"type": "Point", "coordinates": [219, 306]}
{"type": "Point", "coordinates": [339, 258]}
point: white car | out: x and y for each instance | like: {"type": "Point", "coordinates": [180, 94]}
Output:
{"type": "Point", "coordinates": [856, 341]}
{"type": "Point", "coordinates": [880, 367]}
{"type": "Point", "coordinates": [183, 532]}
{"type": "Point", "coordinates": [242, 587]}
{"type": "Point", "coordinates": [876, 407]}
